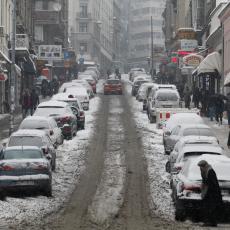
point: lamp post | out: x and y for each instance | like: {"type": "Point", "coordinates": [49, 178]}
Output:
{"type": "Point", "coordinates": [152, 47]}
{"type": "Point", "coordinates": [12, 77]}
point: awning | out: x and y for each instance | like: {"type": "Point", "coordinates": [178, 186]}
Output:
{"type": "Point", "coordinates": [211, 64]}
{"type": "Point", "coordinates": [29, 66]}
{"type": "Point", "coordinates": [227, 80]}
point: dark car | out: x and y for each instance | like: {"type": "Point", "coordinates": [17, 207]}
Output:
{"type": "Point", "coordinates": [113, 86]}
{"type": "Point", "coordinates": [25, 167]}
{"type": "Point", "coordinates": [75, 106]}
{"type": "Point", "coordinates": [62, 113]}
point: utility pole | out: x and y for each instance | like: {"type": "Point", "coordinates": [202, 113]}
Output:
{"type": "Point", "coordinates": [152, 47]}
{"type": "Point", "coordinates": [12, 77]}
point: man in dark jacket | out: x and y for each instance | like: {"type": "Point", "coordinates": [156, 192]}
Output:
{"type": "Point", "coordinates": [25, 101]}
{"type": "Point", "coordinates": [34, 101]}
{"type": "Point", "coordinates": [210, 193]}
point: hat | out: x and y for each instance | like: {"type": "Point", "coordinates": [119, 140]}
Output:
{"type": "Point", "coordinates": [202, 163]}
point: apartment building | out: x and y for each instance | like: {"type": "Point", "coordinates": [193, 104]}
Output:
{"type": "Point", "coordinates": [140, 31]}
{"type": "Point", "coordinates": [91, 30]}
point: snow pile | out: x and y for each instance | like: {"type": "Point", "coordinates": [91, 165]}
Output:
{"type": "Point", "coordinates": [109, 195]}
{"type": "Point", "coordinates": [160, 191]}
{"type": "Point", "coordinates": [70, 165]}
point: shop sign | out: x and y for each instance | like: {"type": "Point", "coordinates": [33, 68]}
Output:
{"type": "Point", "coordinates": [186, 33]}
{"type": "Point", "coordinates": [3, 77]}
{"type": "Point", "coordinates": [188, 45]}
{"type": "Point", "coordinates": [50, 52]}
{"type": "Point", "coordinates": [193, 60]}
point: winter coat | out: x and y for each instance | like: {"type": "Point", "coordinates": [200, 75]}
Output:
{"type": "Point", "coordinates": [187, 95]}
{"type": "Point", "coordinates": [196, 95]}
{"type": "Point", "coordinates": [219, 105]}
{"type": "Point", "coordinates": [34, 99]}
{"type": "Point", "coordinates": [211, 193]}
{"type": "Point", "coordinates": [228, 102]}
{"type": "Point", "coordinates": [26, 101]}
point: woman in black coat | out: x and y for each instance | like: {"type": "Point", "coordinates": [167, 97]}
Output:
{"type": "Point", "coordinates": [210, 193]}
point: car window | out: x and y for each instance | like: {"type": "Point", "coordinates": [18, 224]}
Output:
{"type": "Point", "coordinates": [206, 132]}
{"type": "Point", "coordinates": [167, 96]}
{"type": "Point", "coordinates": [49, 111]}
{"type": "Point", "coordinates": [21, 154]}
{"type": "Point", "coordinates": [176, 130]}
{"type": "Point", "coordinates": [25, 141]}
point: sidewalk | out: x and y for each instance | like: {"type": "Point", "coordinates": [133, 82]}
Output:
{"type": "Point", "coordinates": [221, 132]}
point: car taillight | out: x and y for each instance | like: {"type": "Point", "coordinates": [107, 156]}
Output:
{"type": "Point", "coordinates": [65, 119]}
{"type": "Point", "coordinates": [6, 168]}
{"type": "Point", "coordinates": [167, 115]}
{"type": "Point", "coordinates": [178, 168]}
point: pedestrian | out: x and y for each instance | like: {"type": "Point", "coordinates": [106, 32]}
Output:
{"type": "Point", "coordinates": [44, 88]}
{"type": "Point", "coordinates": [34, 101]}
{"type": "Point", "coordinates": [187, 97]}
{"type": "Point", "coordinates": [25, 102]}
{"type": "Point", "coordinates": [228, 107]}
{"type": "Point", "coordinates": [212, 107]}
{"type": "Point", "coordinates": [196, 97]}
{"type": "Point", "coordinates": [219, 109]}
{"type": "Point", "coordinates": [210, 194]}
{"type": "Point", "coordinates": [204, 102]}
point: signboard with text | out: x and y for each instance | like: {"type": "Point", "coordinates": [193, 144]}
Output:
{"type": "Point", "coordinates": [50, 52]}
{"type": "Point", "coordinates": [188, 45]}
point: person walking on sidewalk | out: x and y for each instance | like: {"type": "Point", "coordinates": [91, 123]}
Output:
{"type": "Point", "coordinates": [219, 109]}
{"type": "Point", "coordinates": [187, 97]}
{"type": "Point", "coordinates": [25, 102]}
{"type": "Point", "coordinates": [196, 97]}
{"type": "Point", "coordinates": [212, 107]}
{"type": "Point", "coordinates": [210, 194]}
{"type": "Point", "coordinates": [34, 101]}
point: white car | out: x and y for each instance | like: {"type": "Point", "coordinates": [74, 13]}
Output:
{"type": "Point", "coordinates": [188, 141]}
{"type": "Point", "coordinates": [144, 91]}
{"type": "Point", "coordinates": [66, 85]}
{"type": "Point", "coordinates": [90, 79]}
{"type": "Point", "coordinates": [47, 124]}
{"type": "Point", "coordinates": [86, 85]}
{"type": "Point", "coordinates": [194, 151]}
{"type": "Point", "coordinates": [81, 94]}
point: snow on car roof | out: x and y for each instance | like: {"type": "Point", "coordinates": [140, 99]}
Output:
{"type": "Point", "coordinates": [197, 139]}
{"type": "Point", "coordinates": [22, 147]}
{"type": "Point", "coordinates": [219, 163]}
{"type": "Point", "coordinates": [195, 126]}
{"type": "Point", "coordinates": [76, 91]}
{"type": "Point", "coordinates": [64, 97]}
{"type": "Point", "coordinates": [53, 103]}
{"type": "Point", "coordinates": [165, 90]}
{"type": "Point", "coordinates": [202, 148]}
{"type": "Point", "coordinates": [183, 118]}
{"type": "Point", "coordinates": [29, 132]}
{"type": "Point", "coordinates": [38, 118]}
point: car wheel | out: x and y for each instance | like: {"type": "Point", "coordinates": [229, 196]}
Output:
{"type": "Point", "coordinates": [180, 212]}
{"type": "Point", "coordinates": [48, 190]}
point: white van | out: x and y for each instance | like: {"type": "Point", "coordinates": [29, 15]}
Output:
{"type": "Point", "coordinates": [163, 98]}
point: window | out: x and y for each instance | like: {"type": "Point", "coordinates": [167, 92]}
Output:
{"type": "Point", "coordinates": [38, 33]}
{"type": "Point", "coordinates": [83, 27]}
{"type": "Point", "coordinates": [38, 5]}
{"type": "Point", "coordinates": [83, 47]}
{"type": "Point", "coordinates": [84, 10]}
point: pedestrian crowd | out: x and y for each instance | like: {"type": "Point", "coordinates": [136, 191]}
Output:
{"type": "Point", "coordinates": [29, 102]}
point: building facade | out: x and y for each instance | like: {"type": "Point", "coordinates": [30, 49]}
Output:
{"type": "Point", "coordinates": [91, 30]}
{"type": "Point", "coordinates": [140, 42]}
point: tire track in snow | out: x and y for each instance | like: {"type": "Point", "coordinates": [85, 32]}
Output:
{"type": "Point", "coordinates": [109, 194]}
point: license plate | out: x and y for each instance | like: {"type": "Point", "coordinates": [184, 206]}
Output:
{"type": "Point", "coordinates": [25, 183]}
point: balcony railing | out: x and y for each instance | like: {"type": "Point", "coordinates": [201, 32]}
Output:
{"type": "Point", "coordinates": [47, 16]}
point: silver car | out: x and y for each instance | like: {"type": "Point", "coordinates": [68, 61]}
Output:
{"type": "Point", "coordinates": [25, 168]}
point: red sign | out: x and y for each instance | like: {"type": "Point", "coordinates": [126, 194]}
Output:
{"type": "Point", "coordinates": [3, 77]}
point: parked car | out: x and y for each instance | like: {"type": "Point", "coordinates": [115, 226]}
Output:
{"type": "Point", "coordinates": [194, 151]}
{"type": "Point", "coordinates": [86, 85]}
{"type": "Point", "coordinates": [66, 85]}
{"type": "Point", "coordinates": [163, 98]}
{"type": "Point", "coordinates": [90, 80]}
{"type": "Point", "coordinates": [38, 138]}
{"type": "Point", "coordinates": [81, 94]}
{"type": "Point", "coordinates": [188, 141]}
{"type": "Point", "coordinates": [63, 115]}
{"type": "Point", "coordinates": [134, 72]}
{"type": "Point", "coordinates": [113, 86]}
{"type": "Point", "coordinates": [179, 119]}
{"type": "Point", "coordinates": [186, 186]}
{"type": "Point", "coordinates": [137, 84]}
{"type": "Point", "coordinates": [24, 167]}
{"type": "Point", "coordinates": [144, 91]}
{"type": "Point", "coordinates": [75, 104]}
{"type": "Point", "coordinates": [185, 130]}
{"type": "Point", "coordinates": [47, 124]}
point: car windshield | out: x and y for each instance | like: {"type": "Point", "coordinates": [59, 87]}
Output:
{"type": "Point", "coordinates": [25, 141]}
{"type": "Point", "coordinates": [49, 111]}
{"type": "Point", "coordinates": [21, 154]}
{"type": "Point", "coordinates": [167, 96]}
{"type": "Point", "coordinates": [113, 82]}
{"type": "Point", "coordinates": [192, 154]}
{"type": "Point", "coordinates": [198, 132]}
{"type": "Point", "coordinates": [34, 124]}
{"type": "Point", "coordinates": [139, 83]}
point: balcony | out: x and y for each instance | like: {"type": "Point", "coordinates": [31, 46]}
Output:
{"type": "Point", "coordinates": [47, 17]}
